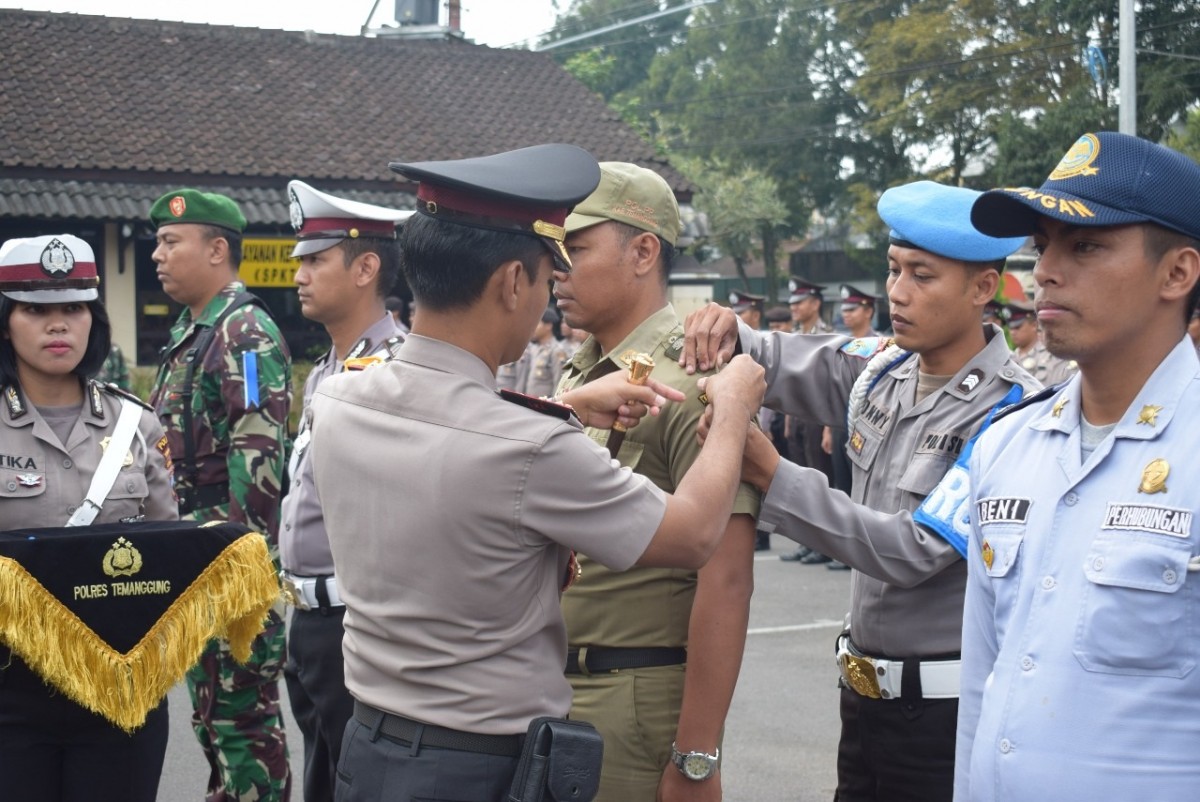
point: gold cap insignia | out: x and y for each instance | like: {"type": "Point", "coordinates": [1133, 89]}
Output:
{"type": "Point", "coordinates": [1149, 415]}
{"type": "Point", "coordinates": [122, 559]}
{"type": "Point", "coordinates": [1154, 477]}
{"type": "Point", "coordinates": [1057, 409]}
{"type": "Point", "coordinates": [128, 454]}
{"type": "Point", "coordinates": [988, 554]}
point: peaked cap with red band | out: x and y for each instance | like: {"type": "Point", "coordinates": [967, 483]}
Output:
{"type": "Point", "coordinates": [527, 191]}
{"type": "Point", "coordinates": [322, 220]}
{"type": "Point", "coordinates": [51, 269]}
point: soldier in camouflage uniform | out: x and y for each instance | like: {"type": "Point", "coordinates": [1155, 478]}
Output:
{"type": "Point", "coordinates": [114, 370]}
{"type": "Point", "coordinates": [230, 467]}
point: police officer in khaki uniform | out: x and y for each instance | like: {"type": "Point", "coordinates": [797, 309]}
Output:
{"type": "Point", "coordinates": [676, 636]}
{"type": "Point", "coordinates": [1027, 343]}
{"type": "Point", "coordinates": [349, 260]}
{"type": "Point", "coordinates": [55, 428]}
{"type": "Point", "coordinates": [913, 409]}
{"type": "Point", "coordinates": [452, 509]}
{"type": "Point", "coordinates": [546, 356]}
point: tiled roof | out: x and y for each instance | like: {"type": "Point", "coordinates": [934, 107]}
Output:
{"type": "Point", "coordinates": [102, 99]}
{"type": "Point", "coordinates": [41, 198]}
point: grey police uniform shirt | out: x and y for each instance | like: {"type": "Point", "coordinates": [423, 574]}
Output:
{"type": "Point", "coordinates": [907, 591]}
{"type": "Point", "coordinates": [303, 542]}
{"type": "Point", "coordinates": [43, 479]}
{"type": "Point", "coordinates": [545, 367]}
{"type": "Point", "coordinates": [452, 513]}
{"type": "Point", "coordinates": [1045, 366]}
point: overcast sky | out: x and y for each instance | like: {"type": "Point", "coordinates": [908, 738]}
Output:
{"type": "Point", "coordinates": [492, 22]}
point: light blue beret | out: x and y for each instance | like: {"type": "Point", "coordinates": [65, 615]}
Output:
{"type": "Point", "coordinates": [937, 218]}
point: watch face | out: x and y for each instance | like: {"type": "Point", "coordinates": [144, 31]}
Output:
{"type": "Point", "coordinates": [697, 766]}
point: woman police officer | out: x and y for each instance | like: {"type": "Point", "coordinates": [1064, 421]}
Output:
{"type": "Point", "coordinates": [54, 428]}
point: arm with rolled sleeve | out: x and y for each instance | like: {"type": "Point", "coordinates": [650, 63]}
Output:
{"type": "Point", "coordinates": [980, 648]}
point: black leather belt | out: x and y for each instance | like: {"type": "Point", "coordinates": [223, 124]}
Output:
{"type": "Point", "coordinates": [601, 659]}
{"type": "Point", "coordinates": [407, 731]}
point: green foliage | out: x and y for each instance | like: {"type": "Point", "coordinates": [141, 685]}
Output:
{"type": "Point", "coordinates": [1187, 141]}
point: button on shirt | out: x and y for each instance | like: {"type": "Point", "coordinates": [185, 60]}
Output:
{"type": "Point", "coordinates": [1081, 635]}
{"type": "Point", "coordinates": [452, 513]}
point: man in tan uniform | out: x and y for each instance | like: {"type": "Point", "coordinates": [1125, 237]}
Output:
{"type": "Point", "coordinates": [453, 509]}
{"type": "Point", "coordinates": [914, 408]}
{"type": "Point", "coordinates": [349, 260]}
{"type": "Point", "coordinates": [677, 635]}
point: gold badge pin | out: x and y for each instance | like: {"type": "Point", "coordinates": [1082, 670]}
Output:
{"type": "Point", "coordinates": [988, 554]}
{"type": "Point", "coordinates": [128, 454]}
{"type": "Point", "coordinates": [1149, 415]}
{"type": "Point", "coordinates": [1057, 409]}
{"type": "Point", "coordinates": [1154, 477]}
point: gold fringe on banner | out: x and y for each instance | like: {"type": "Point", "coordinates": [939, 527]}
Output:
{"type": "Point", "coordinates": [229, 599]}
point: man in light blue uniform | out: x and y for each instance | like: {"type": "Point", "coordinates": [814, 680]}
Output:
{"type": "Point", "coordinates": [1081, 636]}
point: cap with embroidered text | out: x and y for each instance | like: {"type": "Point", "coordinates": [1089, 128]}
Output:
{"type": "Point", "coordinates": [322, 220]}
{"type": "Point", "coordinates": [740, 301]}
{"type": "Point", "coordinates": [632, 195]}
{"type": "Point", "coordinates": [194, 206]}
{"type": "Point", "coordinates": [853, 297]}
{"type": "Point", "coordinates": [1105, 179]}
{"type": "Point", "coordinates": [936, 218]}
{"type": "Point", "coordinates": [527, 191]}
{"type": "Point", "coordinates": [50, 269]}
{"type": "Point", "coordinates": [800, 289]}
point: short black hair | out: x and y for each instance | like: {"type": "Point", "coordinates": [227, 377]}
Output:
{"type": "Point", "coordinates": [232, 237]}
{"type": "Point", "coordinates": [1156, 241]}
{"type": "Point", "coordinates": [98, 345]}
{"type": "Point", "coordinates": [388, 251]}
{"type": "Point", "coordinates": [666, 251]}
{"type": "Point", "coordinates": [447, 265]}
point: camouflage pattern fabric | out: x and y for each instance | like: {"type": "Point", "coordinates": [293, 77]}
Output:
{"type": "Point", "coordinates": [240, 436]}
{"type": "Point", "coordinates": [114, 370]}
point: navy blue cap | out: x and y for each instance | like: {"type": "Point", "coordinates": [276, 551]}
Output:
{"type": "Point", "coordinates": [1106, 179]}
{"type": "Point", "coordinates": [527, 191]}
{"type": "Point", "coordinates": [801, 289]}
{"type": "Point", "coordinates": [937, 218]}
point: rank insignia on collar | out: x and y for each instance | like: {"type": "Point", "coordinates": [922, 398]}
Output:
{"type": "Point", "coordinates": [1154, 477]}
{"type": "Point", "coordinates": [97, 407]}
{"type": "Point", "coordinates": [970, 381]}
{"type": "Point", "coordinates": [1149, 415]}
{"type": "Point", "coordinates": [30, 479]}
{"type": "Point", "coordinates": [1057, 409]}
{"type": "Point", "coordinates": [13, 399]}
{"type": "Point", "coordinates": [988, 554]}
{"type": "Point", "coordinates": [358, 348]}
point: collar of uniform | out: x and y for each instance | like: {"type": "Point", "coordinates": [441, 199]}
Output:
{"type": "Point", "coordinates": [994, 359]}
{"type": "Point", "coordinates": [446, 357]}
{"type": "Point", "coordinates": [649, 337]}
{"type": "Point", "coordinates": [367, 343]}
{"type": "Point", "coordinates": [219, 302]}
{"type": "Point", "coordinates": [1164, 389]}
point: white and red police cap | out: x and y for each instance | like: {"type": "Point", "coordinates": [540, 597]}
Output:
{"type": "Point", "coordinates": [50, 269]}
{"type": "Point", "coordinates": [322, 220]}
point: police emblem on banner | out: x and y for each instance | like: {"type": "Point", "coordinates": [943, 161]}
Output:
{"type": "Point", "coordinates": [57, 258]}
{"type": "Point", "coordinates": [295, 210]}
{"type": "Point", "coordinates": [122, 559]}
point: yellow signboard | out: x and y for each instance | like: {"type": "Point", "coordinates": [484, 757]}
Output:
{"type": "Point", "coordinates": [268, 263]}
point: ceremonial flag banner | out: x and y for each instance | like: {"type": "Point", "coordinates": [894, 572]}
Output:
{"type": "Point", "coordinates": [114, 615]}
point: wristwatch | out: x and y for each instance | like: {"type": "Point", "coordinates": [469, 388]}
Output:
{"type": "Point", "coordinates": [695, 765]}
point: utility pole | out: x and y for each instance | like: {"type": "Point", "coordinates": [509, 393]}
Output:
{"type": "Point", "coordinates": [1127, 61]}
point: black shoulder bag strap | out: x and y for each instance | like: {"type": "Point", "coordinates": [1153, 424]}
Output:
{"type": "Point", "coordinates": [193, 357]}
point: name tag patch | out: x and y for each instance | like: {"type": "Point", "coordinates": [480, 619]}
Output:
{"type": "Point", "coordinates": [1147, 518]}
{"type": "Point", "coordinates": [942, 444]}
{"type": "Point", "coordinates": [1002, 510]}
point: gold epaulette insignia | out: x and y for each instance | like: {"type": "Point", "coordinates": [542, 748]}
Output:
{"type": "Point", "coordinates": [363, 362]}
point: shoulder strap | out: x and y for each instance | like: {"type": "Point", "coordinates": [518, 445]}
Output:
{"type": "Point", "coordinates": [110, 464]}
{"type": "Point", "coordinates": [1025, 402]}
{"type": "Point", "coordinates": [193, 357]}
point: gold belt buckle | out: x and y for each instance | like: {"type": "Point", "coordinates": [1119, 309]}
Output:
{"type": "Point", "coordinates": [859, 674]}
{"type": "Point", "coordinates": [291, 593]}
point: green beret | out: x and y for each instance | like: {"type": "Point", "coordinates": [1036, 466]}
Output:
{"type": "Point", "coordinates": [194, 206]}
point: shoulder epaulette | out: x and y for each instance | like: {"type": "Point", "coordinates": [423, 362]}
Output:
{"type": "Point", "coordinates": [866, 347]}
{"type": "Point", "coordinates": [1036, 398]}
{"type": "Point", "coordinates": [542, 405]}
{"type": "Point", "coordinates": [112, 389]}
{"type": "Point", "coordinates": [674, 345]}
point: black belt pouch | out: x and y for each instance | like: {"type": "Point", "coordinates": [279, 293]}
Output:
{"type": "Point", "coordinates": [560, 762]}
